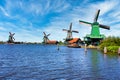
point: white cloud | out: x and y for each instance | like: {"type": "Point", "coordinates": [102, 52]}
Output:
{"type": "Point", "coordinates": [4, 11]}
{"type": "Point", "coordinates": [69, 13]}
{"type": "Point", "coordinates": [2, 28]}
{"type": "Point", "coordinates": [105, 6]}
{"type": "Point", "coordinates": [22, 34]}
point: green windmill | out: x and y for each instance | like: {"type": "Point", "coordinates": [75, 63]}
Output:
{"type": "Point", "coordinates": [95, 37]}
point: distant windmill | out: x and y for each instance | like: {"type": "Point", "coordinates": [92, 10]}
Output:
{"type": "Point", "coordinates": [47, 41]}
{"type": "Point", "coordinates": [11, 38]}
{"type": "Point", "coordinates": [45, 38]}
{"type": "Point", "coordinates": [69, 33]}
{"type": "Point", "coordinates": [95, 36]}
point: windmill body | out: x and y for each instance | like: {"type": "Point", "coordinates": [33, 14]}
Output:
{"type": "Point", "coordinates": [45, 38]}
{"type": "Point", "coordinates": [10, 39]}
{"type": "Point", "coordinates": [95, 30]}
{"type": "Point", "coordinates": [94, 37]}
{"type": "Point", "coordinates": [69, 35]}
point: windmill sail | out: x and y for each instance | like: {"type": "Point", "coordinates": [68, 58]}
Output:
{"type": "Point", "coordinates": [104, 26]}
{"type": "Point", "coordinates": [96, 16]}
{"type": "Point", "coordinates": [65, 30]}
{"type": "Point", "coordinates": [48, 35]}
{"type": "Point", "coordinates": [44, 33]}
{"type": "Point", "coordinates": [75, 31]}
{"type": "Point", "coordinates": [70, 27]}
{"type": "Point", "coordinates": [85, 23]}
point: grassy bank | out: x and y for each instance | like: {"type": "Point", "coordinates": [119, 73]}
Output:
{"type": "Point", "coordinates": [113, 49]}
{"type": "Point", "coordinates": [112, 44]}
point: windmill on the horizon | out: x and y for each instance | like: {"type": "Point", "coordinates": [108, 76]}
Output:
{"type": "Point", "coordinates": [69, 33]}
{"type": "Point", "coordinates": [94, 37]}
{"type": "Point", "coordinates": [47, 41]}
{"type": "Point", "coordinates": [11, 39]}
{"type": "Point", "coordinates": [45, 38]}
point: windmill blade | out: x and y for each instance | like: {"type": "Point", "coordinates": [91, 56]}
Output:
{"type": "Point", "coordinates": [10, 33]}
{"type": "Point", "coordinates": [13, 38]}
{"type": "Point", "coordinates": [48, 35]}
{"type": "Point", "coordinates": [65, 30]}
{"type": "Point", "coordinates": [104, 26]}
{"type": "Point", "coordinates": [70, 27]}
{"type": "Point", "coordinates": [96, 15]}
{"type": "Point", "coordinates": [48, 38]}
{"type": "Point", "coordinates": [13, 34]}
{"type": "Point", "coordinates": [75, 31]}
{"type": "Point", "coordinates": [44, 33]}
{"type": "Point", "coordinates": [85, 23]}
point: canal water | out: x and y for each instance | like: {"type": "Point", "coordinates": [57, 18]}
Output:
{"type": "Point", "coordinates": [45, 62]}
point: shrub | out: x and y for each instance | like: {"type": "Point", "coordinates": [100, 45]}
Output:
{"type": "Point", "coordinates": [113, 49]}
{"type": "Point", "coordinates": [112, 44]}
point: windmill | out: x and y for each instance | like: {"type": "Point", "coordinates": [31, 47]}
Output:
{"type": "Point", "coordinates": [95, 36]}
{"type": "Point", "coordinates": [45, 38]}
{"type": "Point", "coordinates": [11, 38]}
{"type": "Point", "coordinates": [47, 41]}
{"type": "Point", "coordinates": [69, 33]}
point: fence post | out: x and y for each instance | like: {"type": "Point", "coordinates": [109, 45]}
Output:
{"type": "Point", "coordinates": [119, 51]}
{"type": "Point", "coordinates": [58, 47]}
{"type": "Point", "coordinates": [105, 50]}
{"type": "Point", "coordinates": [85, 47]}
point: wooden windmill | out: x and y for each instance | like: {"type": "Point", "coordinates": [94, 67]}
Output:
{"type": "Point", "coordinates": [45, 38]}
{"type": "Point", "coordinates": [11, 39]}
{"type": "Point", "coordinates": [47, 41]}
{"type": "Point", "coordinates": [69, 33]}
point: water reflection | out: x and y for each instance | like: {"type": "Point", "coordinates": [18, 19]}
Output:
{"type": "Point", "coordinates": [119, 59]}
{"type": "Point", "coordinates": [94, 60]}
{"type": "Point", "coordinates": [105, 56]}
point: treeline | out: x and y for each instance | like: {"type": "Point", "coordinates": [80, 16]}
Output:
{"type": "Point", "coordinates": [112, 43]}
{"type": "Point", "coordinates": [1, 42]}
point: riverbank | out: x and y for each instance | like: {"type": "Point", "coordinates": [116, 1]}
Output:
{"type": "Point", "coordinates": [111, 43]}
{"type": "Point", "coordinates": [112, 49]}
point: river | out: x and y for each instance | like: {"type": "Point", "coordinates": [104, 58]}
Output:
{"type": "Point", "coordinates": [45, 62]}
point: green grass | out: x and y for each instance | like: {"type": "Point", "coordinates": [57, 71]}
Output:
{"type": "Point", "coordinates": [112, 44]}
{"type": "Point", "coordinates": [113, 49]}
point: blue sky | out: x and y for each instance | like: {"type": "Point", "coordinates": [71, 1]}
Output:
{"type": "Point", "coordinates": [29, 18]}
